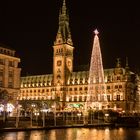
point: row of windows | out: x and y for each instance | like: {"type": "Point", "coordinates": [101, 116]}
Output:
{"type": "Point", "coordinates": [10, 73]}
{"type": "Point", "coordinates": [7, 52]}
{"type": "Point", "coordinates": [10, 84]}
{"type": "Point", "coordinates": [10, 63]}
{"type": "Point", "coordinates": [53, 89]}
{"type": "Point", "coordinates": [78, 98]}
{"type": "Point", "coordinates": [70, 89]}
{"type": "Point", "coordinates": [59, 51]}
{"type": "Point", "coordinates": [75, 81]}
{"type": "Point", "coordinates": [116, 87]}
{"type": "Point", "coordinates": [37, 84]}
{"type": "Point", "coordinates": [91, 98]}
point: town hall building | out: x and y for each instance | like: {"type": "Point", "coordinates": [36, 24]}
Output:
{"type": "Point", "coordinates": [69, 89]}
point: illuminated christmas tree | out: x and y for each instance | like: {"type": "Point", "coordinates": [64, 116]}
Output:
{"type": "Point", "coordinates": [96, 72]}
{"type": "Point", "coordinates": [96, 87]}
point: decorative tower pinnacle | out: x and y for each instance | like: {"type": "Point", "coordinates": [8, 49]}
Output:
{"type": "Point", "coordinates": [63, 34]}
{"type": "Point", "coordinates": [64, 8]}
{"type": "Point", "coordinates": [127, 66]}
{"type": "Point", "coordinates": [118, 64]}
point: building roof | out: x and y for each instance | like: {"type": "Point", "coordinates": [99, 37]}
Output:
{"type": "Point", "coordinates": [47, 79]}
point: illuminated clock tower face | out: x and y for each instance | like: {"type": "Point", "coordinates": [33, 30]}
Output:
{"type": "Point", "coordinates": [69, 63]}
{"type": "Point", "coordinates": [59, 62]}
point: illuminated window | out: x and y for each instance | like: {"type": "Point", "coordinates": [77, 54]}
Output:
{"type": "Point", "coordinates": [10, 84]}
{"type": "Point", "coordinates": [70, 89]}
{"type": "Point", "coordinates": [118, 97]}
{"type": "Point", "coordinates": [76, 81]}
{"type": "Point", "coordinates": [118, 78]}
{"type": "Point", "coordinates": [75, 98]}
{"type": "Point", "coordinates": [86, 88]}
{"type": "Point", "coordinates": [1, 72]}
{"type": "Point", "coordinates": [2, 61]}
{"type": "Point", "coordinates": [11, 64]}
{"type": "Point", "coordinates": [61, 50]}
{"type": "Point", "coordinates": [81, 80]}
{"type": "Point", "coordinates": [114, 97]}
{"type": "Point", "coordinates": [75, 89]}
{"type": "Point", "coordinates": [86, 80]}
{"type": "Point", "coordinates": [80, 98]}
{"type": "Point", "coordinates": [121, 97]}
{"type": "Point", "coordinates": [10, 73]}
{"type": "Point", "coordinates": [108, 97]}
{"type": "Point", "coordinates": [80, 88]}
{"type": "Point", "coordinates": [108, 87]}
{"type": "Point", "coordinates": [109, 78]}
{"type": "Point", "coordinates": [71, 81]}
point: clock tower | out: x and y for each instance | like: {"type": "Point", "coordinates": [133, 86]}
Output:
{"type": "Point", "coordinates": [63, 50]}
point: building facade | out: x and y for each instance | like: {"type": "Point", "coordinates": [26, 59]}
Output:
{"type": "Point", "coordinates": [9, 75]}
{"type": "Point", "coordinates": [70, 89]}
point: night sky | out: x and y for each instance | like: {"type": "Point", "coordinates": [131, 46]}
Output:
{"type": "Point", "coordinates": [30, 28]}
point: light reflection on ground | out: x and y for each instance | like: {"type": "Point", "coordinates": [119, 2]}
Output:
{"type": "Point", "coordinates": [75, 134]}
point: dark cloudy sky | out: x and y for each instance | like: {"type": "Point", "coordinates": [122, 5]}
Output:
{"type": "Point", "coordinates": [30, 28]}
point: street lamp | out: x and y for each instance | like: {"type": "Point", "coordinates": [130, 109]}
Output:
{"type": "Point", "coordinates": [79, 115]}
{"type": "Point", "coordinates": [18, 113]}
{"type": "Point", "coordinates": [32, 106]}
{"type": "Point", "coordinates": [106, 117]}
{"type": "Point", "coordinates": [54, 110]}
{"type": "Point", "coordinates": [43, 117]}
{"type": "Point", "coordinates": [37, 114]}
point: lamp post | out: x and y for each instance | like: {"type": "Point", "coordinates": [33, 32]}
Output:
{"type": "Point", "coordinates": [55, 98]}
{"type": "Point", "coordinates": [32, 106]}
{"type": "Point", "coordinates": [17, 116]}
{"type": "Point", "coordinates": [54, 111]}
{"type": "Point", "coordinates": [4, 112]}
{"type": "Point", "coordinates": [43, 117]}
{"type": "Point", "coordinates": [37, 114]}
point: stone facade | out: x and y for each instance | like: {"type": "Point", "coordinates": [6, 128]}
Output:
{"type": "Point", "coordinates": [9, 73]}
{"type": "Point", "coordinates": [69, 89]}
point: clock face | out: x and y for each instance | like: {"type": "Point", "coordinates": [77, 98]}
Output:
{"type": "Point", "coordinates": [69, 63]}
{"type": "Point", "coordinates": [59, 63]}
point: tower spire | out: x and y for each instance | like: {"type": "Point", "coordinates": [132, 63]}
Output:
{"type": "Point", "coordinates": [127, 65]}
{"type": "Point", "coordinates": [63, 34]}
{"type": "Point", "coordinates": [118, 64]}
{"type": "Point", "coordinates": [64, 8]}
